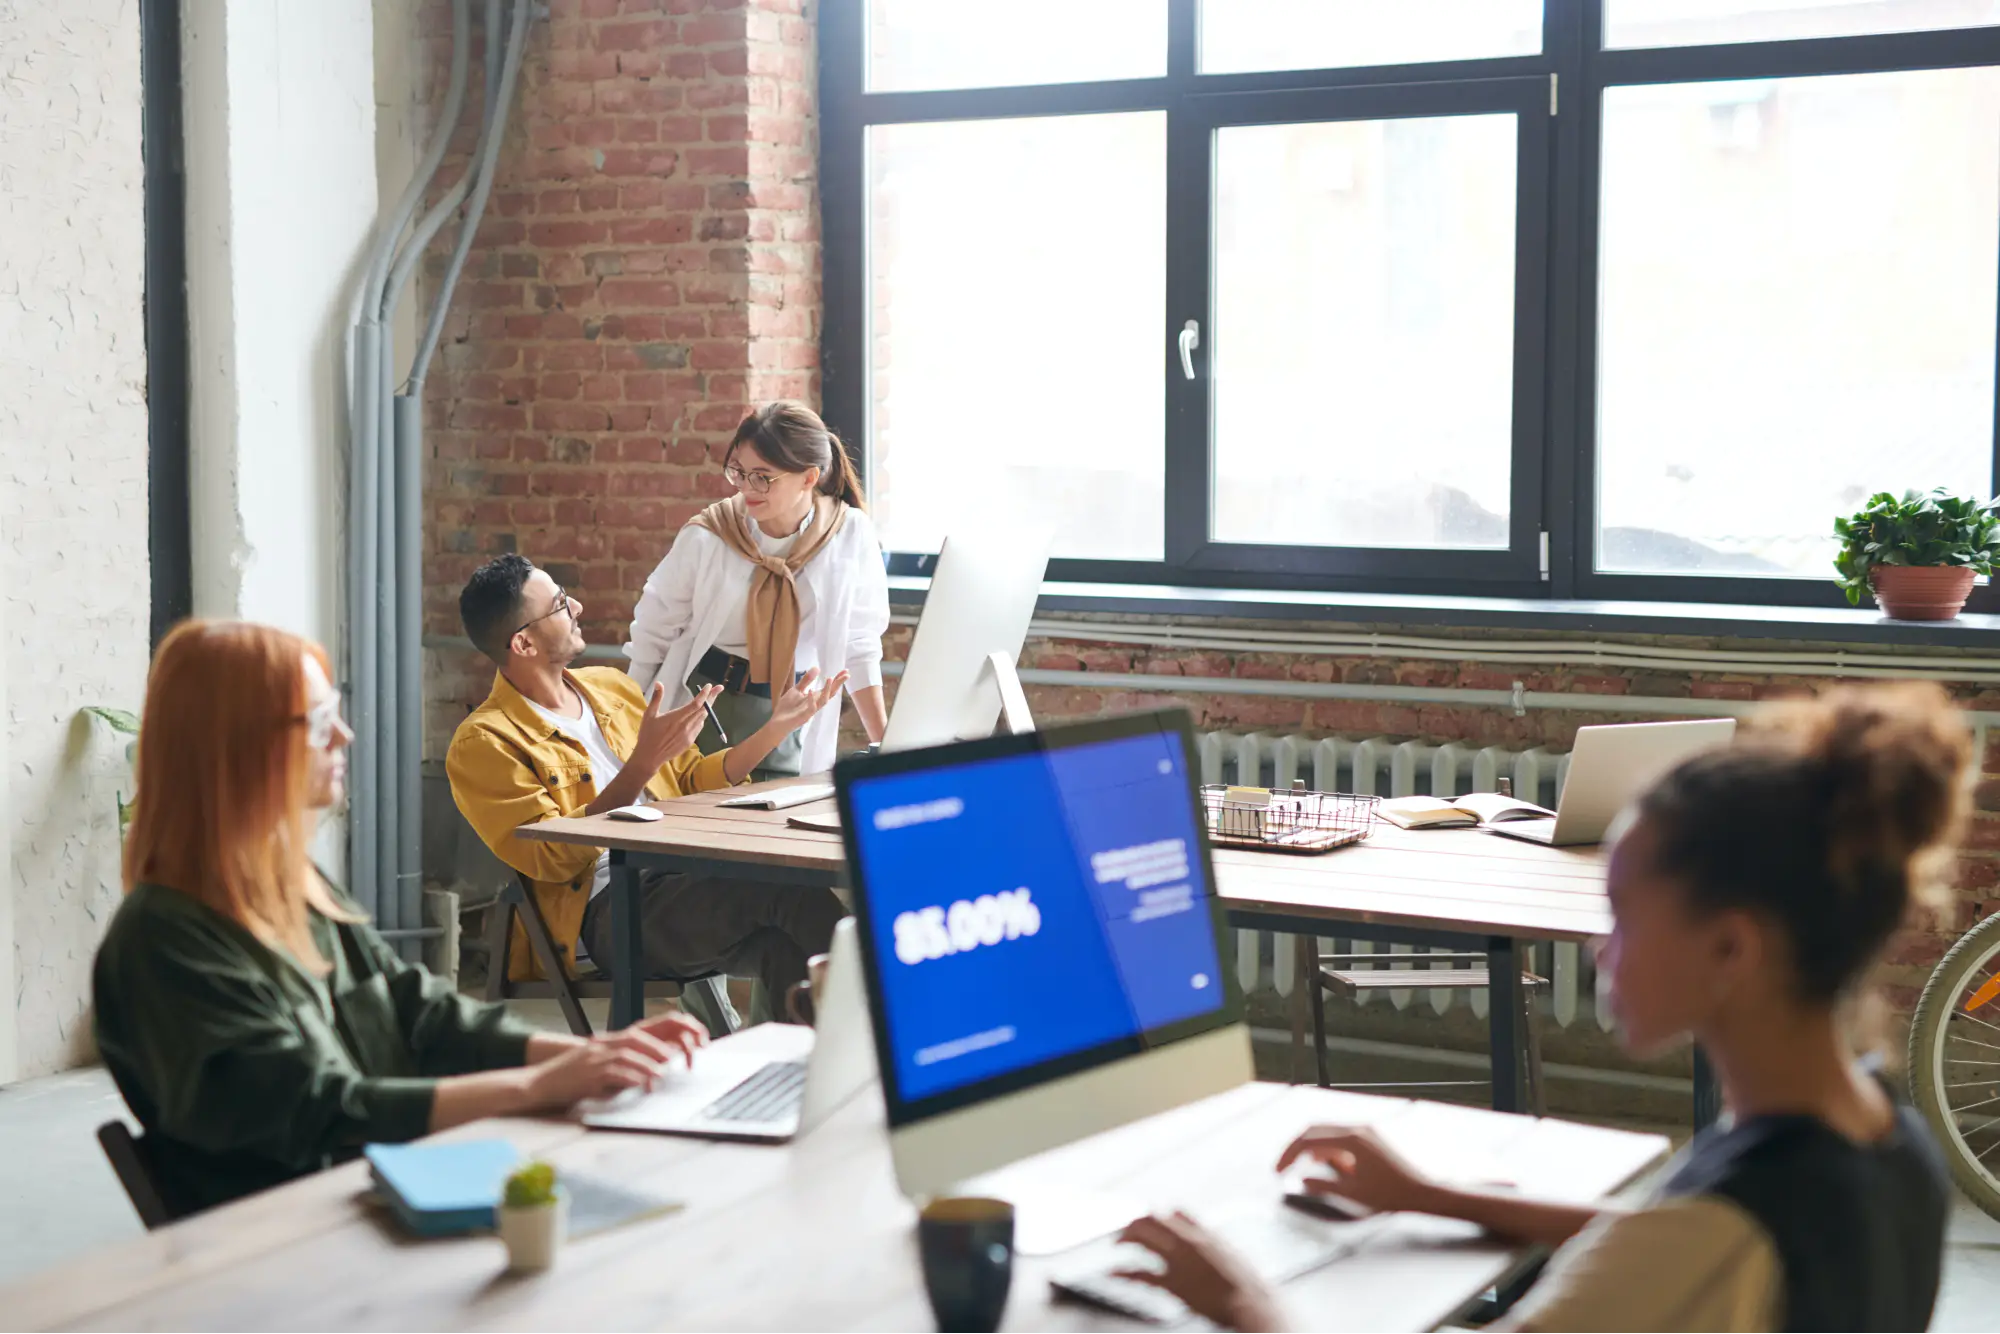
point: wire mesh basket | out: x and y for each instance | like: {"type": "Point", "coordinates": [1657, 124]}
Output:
{"type": "Point", "coordinates": [1280, 821]}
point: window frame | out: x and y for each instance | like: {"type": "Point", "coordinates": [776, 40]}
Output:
{"type": "Point", "coordinates": [1554, 482]}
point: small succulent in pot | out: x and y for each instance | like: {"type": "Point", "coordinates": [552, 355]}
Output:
{"type": "Point", "coordinates": [1918, 554]}
{"type": "Point", "coordinates": [533, 1217]}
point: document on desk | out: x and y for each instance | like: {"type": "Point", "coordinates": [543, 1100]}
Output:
{"type": "Point", "coordinates": [782, 798]}
{"type": "Point", "coordinates": [597, 1205]}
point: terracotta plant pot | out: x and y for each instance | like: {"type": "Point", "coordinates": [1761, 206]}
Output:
{"type": "Point", "coordinates": [1921, 592]}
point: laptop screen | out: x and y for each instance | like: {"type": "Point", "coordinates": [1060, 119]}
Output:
{"type": "Point", "coordinates": [1033, 904]}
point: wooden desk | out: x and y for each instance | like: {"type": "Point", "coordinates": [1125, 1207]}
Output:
{"type": "Point", "coordinates": [1456, 889]}
{"type": "Point", "coordinates": [812, 1235]}
{"type": "Point", "coordinates": [699, 836]}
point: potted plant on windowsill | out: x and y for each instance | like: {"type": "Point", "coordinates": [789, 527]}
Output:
{"type": "Point", "coordinates": [533, 1216]}
{"type": "Point", "coordinates": [1917, 555]}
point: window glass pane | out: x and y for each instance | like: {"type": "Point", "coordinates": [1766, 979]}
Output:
{"type": "Point", "coordinates": [1631, 23]}
{"type": "Point", "coordinates": [1364, 342]}
{"type": "Point", "coordinates": [1796, 310]}
{"type": "Point", "coordinates": [1018, 279]}
{"type": "Point", "coordinates": [1241, 36]}
{"type": "Point", "coordinates": [929, 44]}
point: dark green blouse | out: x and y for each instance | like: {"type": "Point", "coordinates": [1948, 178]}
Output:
{"type": "Point", "coordinates": [247, 1071]}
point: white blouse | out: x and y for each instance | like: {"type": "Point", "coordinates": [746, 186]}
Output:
{"type": "Point", "coordinates": [695, 600]}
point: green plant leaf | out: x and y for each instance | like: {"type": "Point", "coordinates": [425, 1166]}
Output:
{"type": "Point", "coordinates": [119, 720]}
{"type": "Point", "coordinates": [1924, 529]}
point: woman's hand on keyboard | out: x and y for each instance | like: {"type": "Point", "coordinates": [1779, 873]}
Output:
{"type": "Point", "coordinates": [679, 1032]}
{"type": "Point", "coordinates": [1363, 1169]}
{"type": "Point", "coordinates": [1206, 1275]}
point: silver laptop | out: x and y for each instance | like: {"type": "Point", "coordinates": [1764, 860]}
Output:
{"type": "Point", "coordinates": [1609, 767]}
{"type": "Point", "coordinates": [770, 1083]}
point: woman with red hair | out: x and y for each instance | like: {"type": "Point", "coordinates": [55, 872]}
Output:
{"type": "Point", "coordinates": [257, 1025]}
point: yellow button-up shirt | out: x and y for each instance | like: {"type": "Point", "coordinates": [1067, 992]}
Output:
{"type": "Point", "coordinates": [510, 767]}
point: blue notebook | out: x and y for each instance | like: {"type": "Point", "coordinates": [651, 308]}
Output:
{"type": "Point", "coordinates": [440, 1189]}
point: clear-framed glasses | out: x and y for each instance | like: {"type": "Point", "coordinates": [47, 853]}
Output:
{"type": "Point", "coordinates": [758, 482]}
{"type": "Point", "coordinates": [322, 719]}
{"type": "Point", "coordinates": [563, 604]}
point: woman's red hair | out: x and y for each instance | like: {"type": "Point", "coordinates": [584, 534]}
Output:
{"type": "Point", "coordinates": [224, 781]}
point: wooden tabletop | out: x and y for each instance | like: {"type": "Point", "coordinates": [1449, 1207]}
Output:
{"type": "Point", "coordinates": [812, 1235]}
{"type": "Point", "coordinates": [1460, 880]}
{"type": "Point", "coordinates": [1441, 879]}
{"type": "Point", "coordinates": [700, 826]}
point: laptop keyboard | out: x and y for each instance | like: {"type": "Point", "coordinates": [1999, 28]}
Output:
{"type": "Point", "coordinates": [772, 1093]}
{"type": "Point", "coordinates": [1279, 1244]}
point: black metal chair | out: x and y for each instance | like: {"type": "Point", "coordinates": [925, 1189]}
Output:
{"type": "Point", "coordinates": [1351, 975]}
{"type": "Point", "coordinates": [127, 1153]}
{"type": "Point", "coordinates": [556, 983]}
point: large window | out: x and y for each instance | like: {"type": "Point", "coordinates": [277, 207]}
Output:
{"type": "Point", "coordinates": [1584, 298]}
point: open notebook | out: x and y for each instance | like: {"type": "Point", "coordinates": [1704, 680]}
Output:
{"type": "Point", "coordinates": [1478, 808]}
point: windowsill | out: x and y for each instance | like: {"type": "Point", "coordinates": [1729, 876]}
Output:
{"type": "Point", "coordinates": [1823, 625]}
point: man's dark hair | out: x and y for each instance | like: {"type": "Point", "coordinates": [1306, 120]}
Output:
{"type": "Point", "coordinates": [490, 606]}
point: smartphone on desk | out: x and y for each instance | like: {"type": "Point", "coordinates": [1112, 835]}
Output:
{"type": "Point", "coordinates": [1331, 1208]}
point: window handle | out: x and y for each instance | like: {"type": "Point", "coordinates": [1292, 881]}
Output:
{"type": "Point", "coordinates": [1190, 340]}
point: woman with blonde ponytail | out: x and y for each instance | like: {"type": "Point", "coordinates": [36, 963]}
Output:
{"type": "Point", "coordinates": [783, 577]}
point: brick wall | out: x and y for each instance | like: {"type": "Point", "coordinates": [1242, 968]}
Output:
{"type": "Point", "coordinates": [648, 268]}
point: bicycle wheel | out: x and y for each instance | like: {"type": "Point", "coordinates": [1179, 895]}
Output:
{"type": "Point", "coordinates": [1955, 1061]}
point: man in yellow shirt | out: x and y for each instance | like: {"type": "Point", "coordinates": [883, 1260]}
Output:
{"type": "Point", "coordinates": [551, 742]}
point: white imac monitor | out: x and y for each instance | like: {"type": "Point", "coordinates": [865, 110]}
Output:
{"type": "Point", "coordinates": [1041, 940]}
{"type": "Point", "coordinates": [960, 669]}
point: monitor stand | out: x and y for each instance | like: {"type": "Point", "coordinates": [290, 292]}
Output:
{"type": "Point", "coordinates": [1014, 715]}
{"type": "Point", "coordinates": [1050, 1217]}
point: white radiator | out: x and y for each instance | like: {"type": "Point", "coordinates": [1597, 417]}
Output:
{"type": "Point", "coordinates": [1381, 766]}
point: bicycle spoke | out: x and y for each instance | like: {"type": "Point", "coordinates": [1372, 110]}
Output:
{"type": "Point", "coordinates": [1975, 1106]}
{"type": "Point", "coordinates": [1970, 1043]}
{"type": "Point", "coordinates": [1955, 1060]}
{"type": "Point", "coordinates": [1968, 1018]}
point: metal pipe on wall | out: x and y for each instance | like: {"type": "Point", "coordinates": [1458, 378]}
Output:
{"type": "Point", "coordinates": [1525, 653]}
{"type": "Point", "coordinates": [486, 156]}
{"type": "Point", "coordinates": [408, 787]}
{"type": "Point", "coordinates": [385, 481]}
{"type": "Point", "coordinates": [368, 542]}
{"type": "Point", "coordinates": [399, 714]}
{"type": "Point", "coordinates": [406, 642]}
{"type": "Point", "coordinates": [362, 554]}
{"type": "Point", "coordinates": [1459, 696]}
{"type": "Point", "coordinates": [388, 814]}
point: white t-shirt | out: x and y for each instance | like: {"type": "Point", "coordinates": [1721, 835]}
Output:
{"type": "Point", "coordinates": [734, 637]}
{"type": "Point", "coordinates": [604, 765]}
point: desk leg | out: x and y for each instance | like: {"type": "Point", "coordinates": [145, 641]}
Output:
{"type": "Point", "coordinates": [1707, 1093]}
{"type": "Point", "coordinates": [1504, 1016]}
{"type": "Point", "coordinates": [628, 962]}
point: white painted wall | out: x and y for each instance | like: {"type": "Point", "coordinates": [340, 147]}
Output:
{"type": "Point", "coordinates": [74, 582]}
{"type": "Point", "coordinates": [280, 124]}
{"type": "Point", "coordinates": [280, 107]}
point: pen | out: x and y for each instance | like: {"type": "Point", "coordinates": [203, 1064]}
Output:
{"type": "Point", "coordinates": [715, 722]}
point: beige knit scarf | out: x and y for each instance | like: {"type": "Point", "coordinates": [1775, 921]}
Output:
{"type": "Point", "coordinates": [772, 631]}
